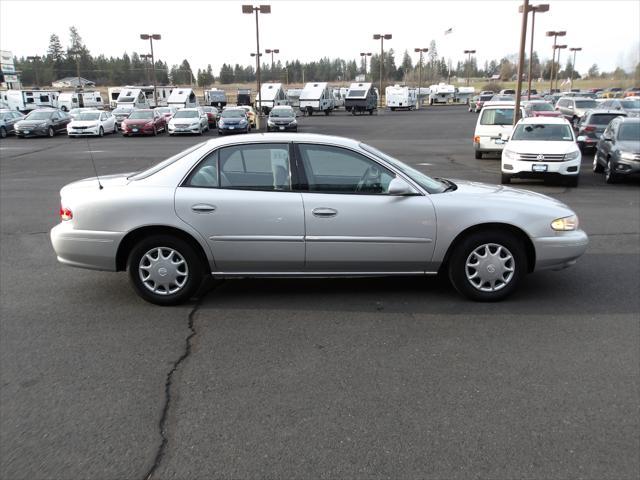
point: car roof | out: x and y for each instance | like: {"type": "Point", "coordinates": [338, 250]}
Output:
{"type": "Point", "coordinates": [500, 103]}
{"type": "Point", "coordinates": [285, 137]}
{"type": "Point", "coordinates": [624, 119]}
{"type": "Point", "coordinates": [549, 120]}
{"type": "Point", "coordinates": [577, 98]}
{"type": "Point", "coordinates": [606, 110]}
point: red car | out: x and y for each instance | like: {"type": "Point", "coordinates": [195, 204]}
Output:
{"type": "Point", "coordinates": [212, 113]}
{"type": "Point", "coordinates": [540, 108]}
{"type": "Point", "coordinates": [144, 122]}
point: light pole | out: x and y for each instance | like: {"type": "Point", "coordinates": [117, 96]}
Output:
{"type": "Point", "coordinates": [543, 7]}
{"type": "Point", "coordinates": [558, 47]}
{"type": "Point", "coordinates": [382, 37]}
{"type": "Point", "coordinates": [250, 9]}
{"type": "Point", "coordinates": [272, 51]}
{"type": "Point", "coordinates": [151, 37]}
{"type": "Point", "coordinates": [364, 56]}
{"type": "Point", "coordinates": [555, 36]}
{"type": "Point", "coordinates": [573, 67]}
{"type": "Point", "coordinates": [257, 57]}
{"type": "Point", "coordinates": [469, 53]}
{"type": "Point", "coordinates": [35, 60]}
{"type": "Point", "coordinates": [146, 57]}
{"type": "Point", "coordinates": [523, 41]}
{"type": "Point", "coordinates": [421, 51]}
{"type": "Point", "coordinates": [76, 54]}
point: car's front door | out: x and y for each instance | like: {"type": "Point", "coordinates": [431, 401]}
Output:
{"type": "Point", "coordinates": [352, 223]}
{"type": "Point", "coordinates": [240, 200]}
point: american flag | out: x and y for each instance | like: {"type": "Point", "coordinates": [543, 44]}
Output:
{"type": "Point", "coordinates": [446, 32]}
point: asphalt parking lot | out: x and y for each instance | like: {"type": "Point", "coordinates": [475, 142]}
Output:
{"type": "Point", "coordinates": [368, 378]}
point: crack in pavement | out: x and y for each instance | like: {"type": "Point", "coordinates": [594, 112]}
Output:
{"type": "Point", "coordinates": [169, 382]}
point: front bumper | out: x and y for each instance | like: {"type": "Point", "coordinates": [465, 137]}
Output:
{"type": "Point", "coordinates": [188, 130]}
{"type": "Point", "coordinates": [84, 131]}
{"type": "Point", "coordinates": [95, 250]}
{"type": "Point", "coordinates": [626, 167]}
{"type": "Point", "coordinates": [290, 127]}
{"type": "Point", "coordinates": [525, 169]}
{"type": "Point", "coordinates": [32, 132]}
{"type": "Point", "coordinates": [232, 128]}
{"type": "Point", "coordinates": [126, 130]}
{"type": "Point", "coordinates": [560, 251]}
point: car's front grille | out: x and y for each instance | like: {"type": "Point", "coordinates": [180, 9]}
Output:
{"type": "Point", "coordinates": [182, 125]}
{"type": "Point", "coordinates": [79, 128]}
{"type": "Point", "coordinates": [538, 157]}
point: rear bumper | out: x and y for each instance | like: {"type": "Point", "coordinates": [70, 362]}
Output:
{"type": "Point", "coordinates": [90, 249]}
{"type": "Point", "coordinates": [560, 251]}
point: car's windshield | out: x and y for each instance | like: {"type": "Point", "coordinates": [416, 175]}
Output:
{"type": "Point", "coordinates": [163, 110]}
{"type": "Point", "coordinates": [164, 163]}
{"type": "Point", "coordinates": [75, 111]}
{"type": "Point", "coordinates": [630, 103]}
{"type": "Point", "coordinates": [119, 111]}
{"type": "Point", "coordinates": [586, 104]}
{"type": "Point", "coordinates": [233, 114]}
{"type": "Point", "coordinates": [486, 98]}
{"type": "Point", "coordinates": [431, 185]}
{"type": "Point", "coordinates": [541, 107]}
{"type": "Point", "coordinates": [629, 132]}
{"type": "Point", "coordinates": [88, 116]}
{"type": "Point", "coordinates": [39, 115]}
{"type": "Point", "coordinates": [542, 132]}
{"type": "Point", "coordinates": [186, 114]}
{"type": "Point", "coordinates": [497, 116]}
{"type": "Point", "coordinates": [602, 118]}
{"type": "Point", "coordinates": [281, 112]}
{"type": "Point", "coordinates": [141, 115]}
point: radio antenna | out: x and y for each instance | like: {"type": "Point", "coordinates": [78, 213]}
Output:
{"type": "Point", "coordinates": [94, 164]}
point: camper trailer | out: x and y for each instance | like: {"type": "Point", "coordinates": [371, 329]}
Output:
{"type": "Point", "coordinates": [400, 96]}
{"type": "Point", "coordinates": [215, 98]}
{"type": "Point", "coordinates": [271, 95]}
{"type": "Point", "coordinates": [131, 98]}
{"type": "Point", "coordinates": [182, 98]}
{"type": "Point", "coordinates": [442, 93]}
{"type": "Point", "coordinates": [69, 100]}
{"type": "Point", "coordinates": [338, 98]}
{"type": "Point", "coordinates": [316, 97]}
{"type": "Point", "coordinates": [113, 93]}
{"type": "Point", "coordinates": [244, 97]}
{"type": "Point", "coordinates": [27, 100]}
{"type": "Point", "coordinates": [162, 95]}
{"type": "Point", "coordinates": [463, 94]}
{"type": "Point", "coordinates": [293, 97]}
{"type": "Point", "coordinates": [362, 97]}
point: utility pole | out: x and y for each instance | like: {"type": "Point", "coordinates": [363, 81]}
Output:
{"type": "Point", "coordinates": [469, 52]}
{"type": "Point", "coordinates": [555, 36]}
{"type": "Point", "coordinates": [35, 60]}
{"type": "Point", "coordinates": [364, 55]}
{"type": "Point", "coordinates": [573, 67]}
{"type": "Point", "coordinates": [523, 41]}
{"type": "Point", "coordinates": [559, 47]}
{"type": "Point", "coordinates": [146, 57]}
{"type": "Point", "coordinates": [249, 9]}
{"type": "Point", "coordinates": [421, 51]}
{"type": "Point", "coordinates": [382, 38]}
{"type": "Point", "coordinates": [544, 7]}
{"type": "Point", "coordinates": [272, 51]}
{"type": "Point", "coordinates": [151, 37]}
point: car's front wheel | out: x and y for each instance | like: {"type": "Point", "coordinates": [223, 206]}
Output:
{"type": "Point", "coordinates": [609, 175]}
{"type": "Point", "coordinates": [165, 270]}
{"type": "Point", "coordinates": [505, 179]}
{"type": "Point", "coordinates": [487, 266]}
{"type": "Point", "coordinates": [51, 132]}
{"type": "Point", "coordinates": [597, 168]}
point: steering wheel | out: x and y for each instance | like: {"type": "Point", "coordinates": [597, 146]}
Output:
{"type": "Point", "coordinates": [371, 173]}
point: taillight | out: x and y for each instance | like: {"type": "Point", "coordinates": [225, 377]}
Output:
{"type": "Point", "coordinates": [589, 128]}
{"type": "Point", "coordinates": [476, 139]}
{"type": "Point", "coordinates": [65, 213]}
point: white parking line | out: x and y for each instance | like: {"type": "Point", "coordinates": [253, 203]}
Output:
{"type": "Point", "coordinates": [425, 164]}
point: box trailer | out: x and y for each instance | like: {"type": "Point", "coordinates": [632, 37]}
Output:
{"type": "Point", "coordinates": [362, 97]}
{"type": "Point", "coordinates": [215, 98]}
{"type": "Point", "coordinates": [293, 97]}
{"type": "Point", "coordinates": [69, 100]}
{"type": "Point", "coordinates": [316, 97]}
{"type": "Point", "coordinates": [244, 97]}
{"type": "Point", "coordinates": [131, 98]}
{"type": "Point", "coordinates": [401, 96]}
{"type": "Point", "coordinates": [182, 98]}
{"type": "Point", "coordinates": [271, 95]}
{"type": "Point", "coordinates": [463, 94]}
{"type": "Point", "coordinates": [442, 93]}
{"type": "Point", "coordinates": [27, 100]}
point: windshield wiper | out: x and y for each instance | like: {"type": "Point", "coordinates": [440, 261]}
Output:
{"type": "Point", "coordinates": [450, 185]}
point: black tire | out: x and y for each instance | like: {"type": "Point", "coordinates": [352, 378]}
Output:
{"type": "Point", "coordinates": [194, 269]}
{"type": "Point", "coordinates": [463, 251]}
{"type": "Point", "coordinates": [51, 132]}
{"type": "Point", "coordinates": [609, 175]}
{"type": "Point", "coordinates": [3, 132]}
{"type": "Point", "coordinates": [573, 181]}
{"type": "Point", "coordinates": [393, 109]}
{"type": "Point", "coordinates": [505, 179]}
{"type": "Point", "coordinates": [478, 155]}
{"type": "Point", "coordinates": [597, 168]}
{"type": "Point", "coordinates": [370, 112]}
{"type": "Point", "coordinates": [101, 132]}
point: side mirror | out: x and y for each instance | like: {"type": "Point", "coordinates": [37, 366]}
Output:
{"type": "Point", "coordinates": [607, 139]}
{"type": "Point", "coordinates": [398, 186]}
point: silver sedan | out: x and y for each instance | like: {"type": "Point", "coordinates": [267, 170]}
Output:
{"type": "Point", "coordinates": [301, 205]}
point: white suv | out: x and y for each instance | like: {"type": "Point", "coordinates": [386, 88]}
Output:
{"type": "Point", "coordinates": [493, 127]}
{"type": "Point", "coordinates": [542, 147]}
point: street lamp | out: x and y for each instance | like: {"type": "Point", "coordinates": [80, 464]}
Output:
{"type": "Point", "coordinates": [555, 36]}
{"type": "Point", "coordinates": [573, 67]}
{"type": "Point", "coordinates": [543, 7]}
{"type": "Point", "coordinates": [523, 40]}
{"type": "Point", "coordinates": [76, 53]}
{"type": "Point", "coordinates": [364, 56]}
{"type": "Point", "coordinates": [146, 57]}
{"type": "Point", "coordinates": [151, 37]}
{"type": "Point", "coordinates": [35, 60]}
{"type": "Point", "coordinates": [272, 51]}
{"type": "Point", "coordinates": [558, 47]}
{"type": "Point", "coordinates": [382, 37]}
{"type": "Point", "coordinates": [250, 9]}
{"type": "Point", "coordinates": [469, 53]}
{"type": "Point", "coordinates": [420, 51]}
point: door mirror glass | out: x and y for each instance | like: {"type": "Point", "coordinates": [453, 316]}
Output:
{"type": "Point", "coordinates": [398, 186]}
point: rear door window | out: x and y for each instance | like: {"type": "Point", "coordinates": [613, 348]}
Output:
{"type": "Point", "coordinates": [497, 116]}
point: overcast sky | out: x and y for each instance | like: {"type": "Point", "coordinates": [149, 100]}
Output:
{"type": "Point", "coordinates": [217, 32]}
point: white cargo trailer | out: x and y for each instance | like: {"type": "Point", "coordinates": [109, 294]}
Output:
{"type": "Point", "coordinates": [401, 96]}
{"type": "Point", "coordinates": [113, 93]}
{"type": "Point", "coordinates": [463, 94]}
{"type": "Point", "coordinates": [442, 93]}
{"type": "Point", "coordinates": [271, 95]}
{"type": "Point", "coordinates": [131, 98]}
{"type": "Point", "coordinates": [69, 100]}
{"type": "Point", "coordinates": [316, 97]}
{"type": "Point", "coordinates": [27, 100]}
{"type": "Point", "coordinates": [182, 98]}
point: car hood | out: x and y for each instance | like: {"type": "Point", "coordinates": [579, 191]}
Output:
{"type": "Point", "coordinates": [134, 122]}
{"type": "Point", "coordinates": [183, 120]}
{"type": "Point", "coordinates": [546, 148]}
{"type": "Point", "coordinates": [547, 113]}
{"type": "Point", "coordinates": [83, 123]}
{"type": "Point", "coordinates": [282, 119]}
{"type": "Point", "coordinates": [629, 146]}
{"type": "Point", "coordinates": [31, 123]}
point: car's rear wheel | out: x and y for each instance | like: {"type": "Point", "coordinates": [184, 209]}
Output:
{"type": "Point", "coordinates": [487, 266]}
{"type": "Point", "coordinates": [165, 269]}
{"type": "Point", "coordinates": [3, 132]}
{"type": "Point", "coordinates": [478, 155]}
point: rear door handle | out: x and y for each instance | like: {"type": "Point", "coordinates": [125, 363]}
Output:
{"type": "Point", "coordinates": [324, 212]}
{"type": "Point", "coordinates": [203, 208]}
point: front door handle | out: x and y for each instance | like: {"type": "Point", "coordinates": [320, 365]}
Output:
{"type": "Point", "coordinates": [203, 208]}
{"type": "Point", "coordinates": [324, 212]}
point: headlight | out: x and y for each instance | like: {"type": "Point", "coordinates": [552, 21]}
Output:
{"type": "Point", "coordinates": [510, 155]}
{"type": "Point", "coordinates": [627, 155]}
{"type": "Point", "coordinates": [572, 155]}
{"type": "Point", "coordinates": [221, 122]}
{"type": "Point", "coordinates": [293, 122]}
{"type": "Point", "coordinates": [243, 121]}
{"type": "Point", "coordinates": [270, 122]}
{"type": "Point", "coordinates": [565, 224]}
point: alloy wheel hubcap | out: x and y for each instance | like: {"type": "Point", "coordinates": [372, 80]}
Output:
{"type": "Point", "coordinates": [163, 271]}
{"type": "Point", "coordinates": [490, 267]}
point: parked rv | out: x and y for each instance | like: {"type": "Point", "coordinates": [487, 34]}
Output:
{"type": "Point", "coordinates": [442, 93]}
{"type": "Point", "coordinates": [464, 94]}
{"type": "Point", "coordinates": [182, 98]}
{"type": "Point", "coordinates": [316, 97]}
{"type": "Point", "coordinates": [70, 100]}
{"type": "Point", "coordinates": [293, 97]}
{"type": "Point", "coordinates": [215, 98]}
{"type": "Point", "coordinates": [27, 100]}
{"type": "Point", "coordinates": [362, 97]}
{"type": "Point", "coordinates": [113, 93]}
{"type": "Point", "coordinates": [162, 95]}
{"type": "Point", "coordinates": [132, 98]}
{"type": "Point", "coordinates": [243, 97]}
{"type": "Point", "coordinates": [271, 95]}
{"type": "Point", "coordinates": [401, 96]}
